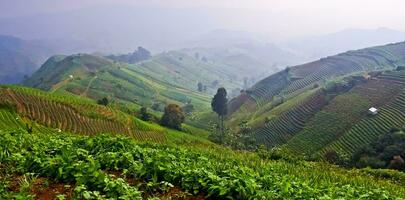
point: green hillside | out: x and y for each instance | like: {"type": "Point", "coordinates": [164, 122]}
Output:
{"type": "Point", "coordinates": [55, 145]}
{"type": "Point", "coordinates": [180, 69]}
{"type": "Point", "coordinates": [96, 77]}
{"type": "Point", "coordinates": [321, 106]}
{"type": "Point", "coordinates": [27, 107]}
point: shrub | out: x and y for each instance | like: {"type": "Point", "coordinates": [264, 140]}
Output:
{"type": "Point", "coordinates": [104, 101]}
{"type": "Point", "coordinates": [372, 162]}
{"type": "Point", "coordinates": [332, 156]}
{"type": "Point", "coordinates": [145, 115]}
{"type": "Point", "coordinates": [173, 117]}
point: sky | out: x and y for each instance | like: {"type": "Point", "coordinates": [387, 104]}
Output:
{"type": "Point", "coordinates": [279, 17]}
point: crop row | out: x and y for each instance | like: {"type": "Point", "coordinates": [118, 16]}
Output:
{"type": "Point", "coordinates": [397, 77]}
{"type": "Point", "coordinates": [8, 120]}
{"type": "Point", "coordinates": [83, 105]}
{"type": "Point", "coordinates": [342, 113]}
{"type": "Point", "coordinates": [265, 90]}
{"type": "Point", "coordinates": [67, 118]}
{"type": "Point", "coordinates": [341, 64]}
{"type": "Point", "coordinates": [366, 131]}
{"type": "Point", "coordinates": [280, 129]}
{"type": "Point", "coordinates": [378, 91]}
{"type": "Point", "coordinates": [333, 120]}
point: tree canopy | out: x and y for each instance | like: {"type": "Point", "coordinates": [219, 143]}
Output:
{"type": "Point", "coordinates": [219, 102]}
{"type": "Point", "coordinates": [173, 117]}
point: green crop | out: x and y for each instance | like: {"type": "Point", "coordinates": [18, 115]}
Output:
{"type": "Point", "coordinates": [85, 162]}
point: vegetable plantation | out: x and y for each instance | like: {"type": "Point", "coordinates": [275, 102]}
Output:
{"type": "Point", "coordinates": [114, 167]}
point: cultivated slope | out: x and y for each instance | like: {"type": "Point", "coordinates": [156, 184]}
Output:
{"type": "Point", "coordinates": [96, 77]}
{"type": "Point", "coordinates": [26, 107]}
{"type": "Point", "coordinates": [323, 105]}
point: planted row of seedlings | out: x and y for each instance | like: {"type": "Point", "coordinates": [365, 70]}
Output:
{"type": "Point", "coordinates": [367, 130]}
{"type": "Point", "coordinates": [280, 129]}
{"type": "Point", "coordinates": [67, 118]}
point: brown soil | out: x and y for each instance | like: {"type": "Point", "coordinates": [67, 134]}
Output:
{"type": "Point", "coordinates": [43, 189]}
{"type": "Point", "coordinates": [175, 193]}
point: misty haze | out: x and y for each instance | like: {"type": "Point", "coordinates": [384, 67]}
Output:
{"type": "Point", "coordinates": [180, 99]}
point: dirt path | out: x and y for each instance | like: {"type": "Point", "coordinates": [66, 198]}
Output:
{"type": "Point", "coordinates": [88, 86]}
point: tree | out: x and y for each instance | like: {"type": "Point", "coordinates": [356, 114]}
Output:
{"type": "Point", "coordinates": [145, 115]}
{"type": "Point", "coordinates": [103, 101]}
{"type": "Point", "coordinates": [200, 87]}
{"type": "Point", "coordinates": [173, 117]}
{"type": "Point", "coordinates": [219, 105]}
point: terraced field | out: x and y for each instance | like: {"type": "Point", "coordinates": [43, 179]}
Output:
{"type": "Point", "coordinates": [262, 94]}
{"type": "Point", "coordinates": [279, 130]}
{"type": "Point", "coordinates": [82, 118]}
{"type": "Point", "coordinates": [342, 113]}
{"type": "Point", "coordinates": [304, 129]}
{"type": "Point", "coordinates": [295, 80]}
{"type": "Point", "coordinates": [391, 115]}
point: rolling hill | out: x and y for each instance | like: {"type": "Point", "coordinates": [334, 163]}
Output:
{"type": "Point", "coordinates": [321, 106]}
{"type": "Point", "coordinates": [96, 77]}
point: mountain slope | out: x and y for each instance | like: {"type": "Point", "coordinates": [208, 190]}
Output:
{"type": "Point", "coordinates": [19, 58]}
{"type": "Point", "coordinates": [307, 107]}
{"type": "Point", "coordinates": [96, 77]}
{"type": "Point", "coordinates": [27, 108]}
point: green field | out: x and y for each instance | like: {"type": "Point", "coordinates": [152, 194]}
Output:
{"type": "Point", "coordinates": [113, 167]}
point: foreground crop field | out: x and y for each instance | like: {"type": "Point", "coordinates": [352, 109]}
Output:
{"type": "Point", "coordinates": [111, 167]}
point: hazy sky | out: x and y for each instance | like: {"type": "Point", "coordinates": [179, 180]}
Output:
{"type": "Point", "coordinates": [283, 18]}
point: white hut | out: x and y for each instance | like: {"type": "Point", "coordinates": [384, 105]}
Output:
{"type": "Point", "coordinates": [373, 111]}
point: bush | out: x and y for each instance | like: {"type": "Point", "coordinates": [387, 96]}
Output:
{"type": "Point", "coordinates": [370, 162]}
{"type": "Point", "coordinates": [173, 117]}
{"type": "Point", "coordinates": [332, 156]}
{"type": "Point", "coordinates": [104, 101]}
{"type": "Point", "coordinates": [145, 115]}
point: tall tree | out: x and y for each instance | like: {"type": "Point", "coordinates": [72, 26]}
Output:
{"type": "Point", "coordinates": [173, 117]}
{"type": "Point", "coordinates": [219, 104]}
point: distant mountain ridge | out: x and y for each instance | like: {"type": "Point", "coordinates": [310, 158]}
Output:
{"type": "Point", "coordinates": [349, 39]}
{"type": "Point", "coordinates": [19, 58]}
